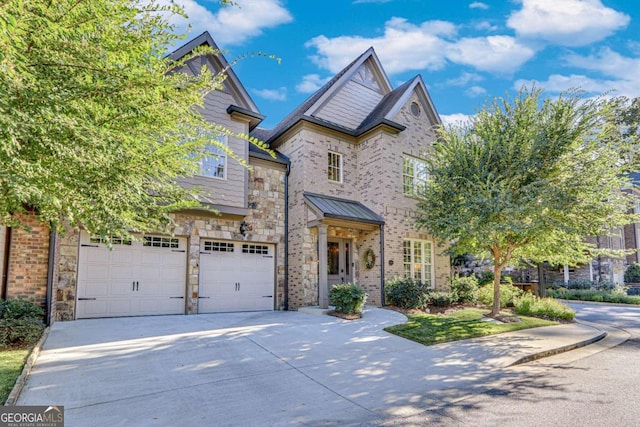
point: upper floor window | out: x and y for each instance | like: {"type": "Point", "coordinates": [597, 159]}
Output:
{"type": "Point", "coordinates": [334, 167]}
{"type": "Point", "coordinates": [414, 175]}
{"type": "Point", "coordinates": [214, 162]}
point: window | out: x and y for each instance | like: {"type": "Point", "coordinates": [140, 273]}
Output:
{"type": "Point", "coordinates": [114, 240]}
{"type": "Point", "coordinates": [334, 168]}
{"type": "Point", "coordinates": [418, 264]}
{"type": "Point", "coordinates": [255, 249]}
{"type": "Point", "coordinates": [214, 161]}
{"type": "Point", "coordinates": [218, 246]}
{"type": "Point", "coordinates": [160, 242]}
{"type": "Point", "coordinates": [414, 175]}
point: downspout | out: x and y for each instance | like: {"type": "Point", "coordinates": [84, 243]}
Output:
{"type": "Point", "coordinates": [5, 267]}
{"type": "Point", "coordinates": [382, 264]}
{"type": "Point", "coordinates": [50, 270]}
{"type": "Point", "coordinates": [286, 236]}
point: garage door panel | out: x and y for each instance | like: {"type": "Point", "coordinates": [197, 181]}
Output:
{"type": "Point", "coordinates": [142, 278]}
{"type": "Point", "coordinates": [238, 280]}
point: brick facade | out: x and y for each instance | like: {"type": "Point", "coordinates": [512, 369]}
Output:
{"type": "Point", "coordinates": [28, 261]}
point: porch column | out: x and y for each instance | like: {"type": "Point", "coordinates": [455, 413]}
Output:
{"type": "Point", "coordinates": [566, 274]}
{"type": "Point", "coordinates": [323, 284]}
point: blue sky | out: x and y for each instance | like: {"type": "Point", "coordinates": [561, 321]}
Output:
{"type": "Point", "coordinates": [466, 51]}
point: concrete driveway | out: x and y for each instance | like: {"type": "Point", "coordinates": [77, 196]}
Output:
{"type": "Point", "coordinates": [268, 368]}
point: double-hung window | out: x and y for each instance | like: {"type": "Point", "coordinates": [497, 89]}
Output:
{"type": "Point", "coordinates": [334, 167]}
{"type": "Point", "coordinates": [418, 260]}
{"type": "Point", "coordinates": [414, 175]}
{"type": "Point", "coordinates": [214, 161]}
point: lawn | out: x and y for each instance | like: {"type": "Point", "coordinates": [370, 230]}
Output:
{"type": "Point", "coordinates": [11, 363]}
{"type": "Point", "coordinates": [434, 329]}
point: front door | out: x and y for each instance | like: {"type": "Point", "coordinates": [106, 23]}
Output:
{"type": "Point", "coordinates": [339, 268]}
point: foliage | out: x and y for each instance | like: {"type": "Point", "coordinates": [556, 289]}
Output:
{"type": "Point", "coordinates": [94, 128]}
{"type": "Point", "coordinates": [348, 298]}
{"type": "Point", "coordinates": [20, 308]}
{"type": "Point", "coordinates": [530, 305]}
{"type": "Point", "coordinates": [19, 332]}
{"type": "Point", "coordinates": [433, 329]}
{"type": "Point", "coordinates": [580, 284]}
{"type": "Point", "coordinates": [442, 298]}
{"type": "Point", "coordinates": [406, 293]}
{"type": "Point", "coordinates": [633, 291]}
{"type": "Point", "coordinates": [594, 295]}
{"type": "Point", "coordinates": [11, 363]}
{"type": "Point", "coordinates": [485, 278]}
{"type": "Point", "coordinates": [465, 289]}
{"type": "Point", "coordinates": [529, 178]}
{"type": "Point", "coordinates": [507, 294]}
{"type": "Point", "coordinates": [632, 273]}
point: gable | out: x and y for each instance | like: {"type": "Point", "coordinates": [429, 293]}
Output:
{"type": "Point", "coordinates": [414, 104]}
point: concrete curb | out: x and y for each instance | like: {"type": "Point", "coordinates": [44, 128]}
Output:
{"type": "Point", "coordinates": [563, 349]}
{"type": "Point", "coordinates": [618, 304]}
{"type": "Point", "coordinates": [26, 370]}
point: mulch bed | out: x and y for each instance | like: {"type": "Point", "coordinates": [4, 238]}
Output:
{"type": "Point", "coordinates": [346, 316]}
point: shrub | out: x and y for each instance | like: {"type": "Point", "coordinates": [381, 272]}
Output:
{"type": "Point", "coordinates": [616, 296]}
{"type": "Point", "coordinates": [465, 289]}
{"type": "Point", "coordinates": [507, 294]}
{"type": "Point", "coordinates": [17, 332]}
{"type": "Point", "coordinates": [485, 278]}
{"type": "Point", "coordinates": [530, 305]}
{"type": "Point", "coordinates": [633, 291]}
{"type": "Point", "coordinates": [632, 274]}
{"type": "Point", "coordinates": [606, 286]}
{"type": "Point", "coordinates": [580, 284]}
{"type": "Point", "coordinates": [406, 293]}
{"type": "Point", "coordinates": [20, 309]}
{"type": "Point", "coordinates": [348, 298]}
{"type": "Point", "coordinates": [442, 298]}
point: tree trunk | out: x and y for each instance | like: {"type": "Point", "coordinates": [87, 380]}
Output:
{"type": "Point", "coordinates": [497, 273]}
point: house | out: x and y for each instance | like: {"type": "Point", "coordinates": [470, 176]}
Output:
{"type": "Point", "coordinates": [336, 204]}
{"type": "Point", "coordinates": [356, 148]}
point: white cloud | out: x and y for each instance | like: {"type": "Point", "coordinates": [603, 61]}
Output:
{"type": "Point", "coordinates": [475, 91]}
{"type": "Point", "coordinates": [311, 83]}
{"type": "Point", "coordinates": [566, 22]}
{"type": "Point", "coordinates": [607, 62]}
{"type": "Point", "coordinates": [464, 79]}
{"type": "Point", "coordinates": [403, 46]}
{"type": "Point", "coordinates": [279, 94]}
{"type": "Point", "coordinates": [455, 119]}
{"type": "Point", "coordinates": [502, 54]}
{"type": "Point", "coordinates": [235, 24]}
{"type": "Point", "coordinates": [485, 26]}
{"type": "Point", "coordinates": [479, 5]}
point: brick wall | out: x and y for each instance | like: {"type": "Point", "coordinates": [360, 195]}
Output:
{"type": "Point", "coordinates": [28, 261]}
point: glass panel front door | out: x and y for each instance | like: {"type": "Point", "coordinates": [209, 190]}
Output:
{"type": "Point", "coordinates": [339, 267]}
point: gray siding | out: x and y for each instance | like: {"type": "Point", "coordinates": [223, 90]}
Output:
{"type": "Point", "coordinates": [350, 106]}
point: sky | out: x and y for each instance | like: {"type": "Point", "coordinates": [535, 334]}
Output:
{"type": "Point", "coordinates": [466, 51]}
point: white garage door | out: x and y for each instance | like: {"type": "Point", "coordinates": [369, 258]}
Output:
{"type": "Point", "coordinates": [135, 278]}
{"type": "Point", "coordinates": [236, 276]}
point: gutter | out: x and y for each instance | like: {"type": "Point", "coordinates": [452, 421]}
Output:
{"type": "Point", "coordinates": [382, 302]}
{"type": "Point", "coordinates": [50, 270]}
{"type": "Point", "coordinates": [286, 237]}
{"type": "Point", "coordinates": [5, 267]}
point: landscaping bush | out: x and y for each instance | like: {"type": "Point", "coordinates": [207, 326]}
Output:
{"type": "Point", "coordinates": [406, 293]}
{"type": "Point", "coordinates": [348, 298]}
{"type": "Point", "coordinates": [616, 296]}
{"type": "Point", "coordinates": [442, 298]}
{"type": "Point", "coordinates": [632, 274]}
{"type": "Point", "coordinates": [20, 309]}
{"type": "Point", "coordinates": [507, 294]}
{"type": "Point", "coordinates": [20, 322]}
{"type": "Point", "coordinates": [530, 305]}
{"type": "Point", "coordinates": [485, 278]}
{"type": "Point", "coordinates": [633, 291]}
{"type": "Point", "coordinates": [465, 289]}
{"type": "Point", "coordinates": [580, 284]}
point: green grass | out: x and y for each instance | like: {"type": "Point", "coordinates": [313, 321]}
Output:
{"type": "Point", "coordinates": [11, 363]}
{"type": "Point", "coordinates": [434, 329]}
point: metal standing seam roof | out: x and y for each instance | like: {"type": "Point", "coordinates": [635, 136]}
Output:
{"type": "Point", "coordinates": [349, 210]}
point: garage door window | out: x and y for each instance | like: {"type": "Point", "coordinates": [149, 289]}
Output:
{"type": "Point", "coordinates": [218, 246]}
{"type": "Point", "coordinates": [113, 240]}
{"type": "Point", "coordinates": [160, 242]}
{"type": "Point", "coordinates": [255, 249]}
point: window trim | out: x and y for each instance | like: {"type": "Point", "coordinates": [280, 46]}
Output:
{"type": "Point", "coordinates": [340, 167]}
{"type": "Point", "coordinates": [432, 269]}
{"type": "Point", "coordinates": [224, 140]}
{"type": "Point", "coordinates": [415, 179]}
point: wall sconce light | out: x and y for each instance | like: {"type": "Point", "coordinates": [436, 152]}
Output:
{"type": "Point", "coordinates": [243, 228]}
{"type": "Point", "coordinates": [390, 262]}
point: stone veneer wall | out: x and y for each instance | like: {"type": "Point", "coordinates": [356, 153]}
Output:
{"type": "Point", "coordinates": [28, 261]}
{"type": "Point", "coordinates": [265, 224]}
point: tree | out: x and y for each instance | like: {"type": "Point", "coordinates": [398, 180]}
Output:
{"type": "Point", "coordinates": [528, 178]}
{"type": "Point", "coordinates": [94, 128]}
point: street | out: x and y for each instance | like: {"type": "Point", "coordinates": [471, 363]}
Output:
{"type": "Point", "coordinates": [585, 387]}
